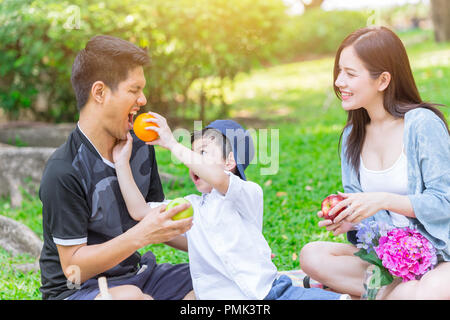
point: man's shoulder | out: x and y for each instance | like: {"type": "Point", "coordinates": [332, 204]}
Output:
{"type": "Point", "coordinates": [59, 166]}
{"type": "Point", "coordinates": [67, 151]}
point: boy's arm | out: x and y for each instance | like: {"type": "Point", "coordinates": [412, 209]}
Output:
{"type": "Point", "coordinates": [136, 205]}
{"type": "Point", "coordinates": [205, 168]}
{"type": "Point", "coordinates": [202, 166]}
{"type": "Point", "coordinates": [134, 200]}
{"type": "Point", "coordinates": [179, 243]}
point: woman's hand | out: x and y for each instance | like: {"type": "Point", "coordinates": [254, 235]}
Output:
{"type": "Point", "coordinates": [336, 228]}
{"type": "Point", "coordinates": [359, 206]}
{"type": "Point", "coordinates": [166, 138]}
{"type": "Point", "coordinates": [122, 151]}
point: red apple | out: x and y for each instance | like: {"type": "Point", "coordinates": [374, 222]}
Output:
{"type": "Point", "coordinates": [328, 203]}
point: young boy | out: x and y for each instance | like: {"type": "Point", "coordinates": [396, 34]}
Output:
{"type": "Point", "coordinates": [228, 255]}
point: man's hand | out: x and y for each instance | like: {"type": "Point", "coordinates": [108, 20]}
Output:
{"type": "Point", "coordinates": [157, 226]}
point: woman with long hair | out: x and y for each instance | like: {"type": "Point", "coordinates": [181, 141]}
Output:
{"type": "Point", "coordinates": [395, 160]}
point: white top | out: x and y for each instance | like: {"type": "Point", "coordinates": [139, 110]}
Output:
{"type": "Point", "coordinates": [392, 180]}
{"type": "Point", "coordinates": [228, 255]}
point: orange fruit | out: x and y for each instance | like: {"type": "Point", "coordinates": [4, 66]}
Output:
{"type": "Point", "coordinates": [139, 126]}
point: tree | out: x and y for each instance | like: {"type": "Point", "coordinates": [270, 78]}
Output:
{"type": "Point", "coordinates": [310, 4]}
{"type": "Point", "coordinates": [440, 14]}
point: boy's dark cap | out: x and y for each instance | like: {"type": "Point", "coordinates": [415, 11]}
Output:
{"type": "Point", "coordinates": [241, 143]}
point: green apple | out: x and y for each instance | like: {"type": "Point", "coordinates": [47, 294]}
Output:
{"type": "Point", "coordinates": [183, 214]}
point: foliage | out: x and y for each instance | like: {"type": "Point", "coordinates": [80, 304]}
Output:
{"type": "Point", "coordinates": [197, 48]}
{"type": "Point", "coordinates": [298, 100]}
{"type": "Point", "coordinates": [186, 40]}
{"type": "Point", "coordinates": [34, 58]}
{"type": "Point", "coordinates": [318, 31]}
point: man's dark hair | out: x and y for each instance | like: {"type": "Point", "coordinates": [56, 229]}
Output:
{"type": "Point", "coordinates": [107, 59]}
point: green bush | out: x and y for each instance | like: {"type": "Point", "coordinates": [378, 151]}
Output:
{"type": "Point", "coordinates": [317, 32]}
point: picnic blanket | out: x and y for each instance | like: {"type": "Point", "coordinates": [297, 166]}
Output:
{"type": "Point", "coordinates": [297, 277]}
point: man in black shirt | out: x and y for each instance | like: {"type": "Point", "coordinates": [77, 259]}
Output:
{"type": "Point", "coordinates": [88, 231]}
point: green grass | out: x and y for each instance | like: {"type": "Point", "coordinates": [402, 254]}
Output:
{"type": "Point", "coordinates": [297, 100]}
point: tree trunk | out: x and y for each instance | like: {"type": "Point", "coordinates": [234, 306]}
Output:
{"type": "Point", "coordinates": [225, 108]}
{"type": "Point", "coordinates": [202, 103]}
{"type": "Point", "coordinates": [312, 4]}
{"type": "Point", "coordinates": [440, 14]}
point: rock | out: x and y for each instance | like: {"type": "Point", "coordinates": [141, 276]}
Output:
{"type": "Point", "coordinates": [36, 134]}
{"type": "Point", "coordinates": [17, 238]}
{"type": "Point", "coordinates": [26, 267]}
{"type": "Point", "coordinates": [21, 168]}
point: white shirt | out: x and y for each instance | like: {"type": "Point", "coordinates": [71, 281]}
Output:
{"type": "Point", "coordinates": [392, 180]}
{"type": "Point", "coordinates": [228, 255]}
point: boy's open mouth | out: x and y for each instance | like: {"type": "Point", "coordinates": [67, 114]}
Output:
{"type": "Point", "coordinates": [195, 178]}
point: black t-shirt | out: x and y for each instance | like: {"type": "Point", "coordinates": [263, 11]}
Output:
{"type": "Point", "coordinates": [82, 203]}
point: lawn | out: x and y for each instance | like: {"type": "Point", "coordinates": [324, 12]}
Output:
{"type": "Point", "coordinates": [295, 106]}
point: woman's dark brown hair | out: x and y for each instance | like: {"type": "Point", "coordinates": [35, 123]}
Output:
{"type": "Point", "coordinates": [380, 50]}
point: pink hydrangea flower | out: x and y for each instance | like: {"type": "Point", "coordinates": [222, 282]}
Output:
{"type": "Point", "coordinates": [406, 253]}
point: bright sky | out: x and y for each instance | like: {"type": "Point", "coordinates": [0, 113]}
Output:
{"type": "Point", "coordinates": [296, 7]}
{"type": "Point", "coordinates": [360, 4]}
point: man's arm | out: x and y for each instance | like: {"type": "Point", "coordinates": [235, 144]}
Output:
{"type": "Point", "coordinates": [90, 260]}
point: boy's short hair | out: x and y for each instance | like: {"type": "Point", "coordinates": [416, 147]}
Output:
{"type": "Point", "coordinates": [233, 137]}
{"type": "Point", "coordinates": [216, 136]}
{"type": "Point", "coordinates": [107, 59]}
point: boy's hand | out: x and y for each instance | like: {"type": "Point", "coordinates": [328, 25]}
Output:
{"type": "Point", "coordinates": [122, 151]}
{"type": "Point", "coordinates": [166, 138]}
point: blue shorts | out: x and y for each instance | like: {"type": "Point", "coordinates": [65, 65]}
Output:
{"type": "Point", "coordinates": [161, 281]}
{"type": "Point", "coordinates": [282, 289]}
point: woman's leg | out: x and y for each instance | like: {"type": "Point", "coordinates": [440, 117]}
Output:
{"type": "Point", "coordinates": [334, 265]}
{"type": "Point", "coordinates": [434, 285]}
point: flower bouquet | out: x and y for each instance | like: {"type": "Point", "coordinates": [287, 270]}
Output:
{"type": "Point", "coordinates": [393, 252]}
